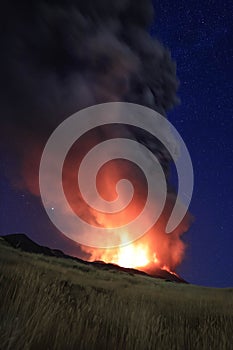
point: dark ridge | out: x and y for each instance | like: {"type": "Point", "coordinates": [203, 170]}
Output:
{"type": "Point", "coordinates": [23, 242]}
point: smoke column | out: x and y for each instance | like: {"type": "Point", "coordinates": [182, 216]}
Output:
{"type": "Point", "coordinates": [61, 56]}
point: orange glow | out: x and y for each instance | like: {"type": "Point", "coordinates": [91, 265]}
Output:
{"type": "Point", "coordinates": [166, 268]}
{"type": "Point", "coordinates": [132, 255]}
{"type": "Point", "coordinates": [155, 249]}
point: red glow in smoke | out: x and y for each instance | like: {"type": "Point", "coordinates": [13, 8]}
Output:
{"type": "Point", "coordinates": [155, 249]}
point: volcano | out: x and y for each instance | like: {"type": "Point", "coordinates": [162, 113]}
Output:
{"type": "Point", "coordinates": [24, 243]}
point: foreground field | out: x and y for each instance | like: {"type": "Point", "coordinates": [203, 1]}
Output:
{"type": "Point", "coordinates": [51, 303]}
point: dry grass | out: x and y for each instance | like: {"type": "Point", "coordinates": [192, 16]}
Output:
{"type": "Point", "coordinates": [49, 303]}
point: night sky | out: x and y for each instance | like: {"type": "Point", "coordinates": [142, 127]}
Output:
{"type": "Point", "coordinates": [200, 38]}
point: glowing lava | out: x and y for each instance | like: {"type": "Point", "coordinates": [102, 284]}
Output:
{"type": "Point", "coordinates": [132, 255]}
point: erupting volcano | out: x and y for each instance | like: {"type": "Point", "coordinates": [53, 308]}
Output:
{"type": "Point", "coordinates": [133, 255]}
{"type": "Point", "coordinates": [83, 54]}
{"type": "Point", "coordinates": [155, 249]}
{"type": "Point", "coordinates": [137, 255]}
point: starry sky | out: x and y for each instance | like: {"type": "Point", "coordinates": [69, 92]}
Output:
{"type": "Point", "coordinates": [200, 38]}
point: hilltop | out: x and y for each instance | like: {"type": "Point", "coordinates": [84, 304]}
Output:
{"type": "Point", "coordinates": [23, 242]}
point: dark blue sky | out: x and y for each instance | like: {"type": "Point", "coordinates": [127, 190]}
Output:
{"type": "Point", "coordinates": [200, 37]}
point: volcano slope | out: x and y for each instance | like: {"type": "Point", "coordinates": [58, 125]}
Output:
{"type": "Point", "coordinates": [56, 303]}
{"type": "Point", "coordinates": [23, 242]}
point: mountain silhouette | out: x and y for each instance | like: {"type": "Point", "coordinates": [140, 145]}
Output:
{"type": "Point", "coordinates": [23, 242]}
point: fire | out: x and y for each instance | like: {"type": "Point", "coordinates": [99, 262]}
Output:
{"type": "Point", "coordinates": [154, 250]}
{"type": "Point", "coordinates": [139, 255]}
{"type": "Point", "coordinates": [166, 268]}
{"type": "Point", "coordinates": [132, 255]}
{"type": "Point", "coordinates": [135, 255]}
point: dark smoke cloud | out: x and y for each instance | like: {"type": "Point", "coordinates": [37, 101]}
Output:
{"type": "Point", "coordinates": [59, 56]}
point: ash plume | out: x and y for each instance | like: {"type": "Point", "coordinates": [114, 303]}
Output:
{"type": "Point", "coordinates": [61, 56]}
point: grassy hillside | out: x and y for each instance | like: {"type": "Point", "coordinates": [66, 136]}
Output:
{"type": "Point", "coordinates": [52, 303]}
